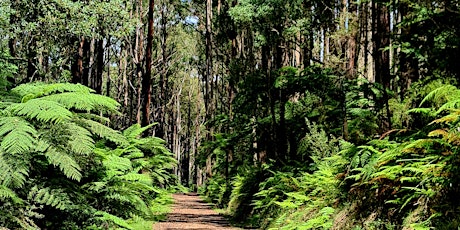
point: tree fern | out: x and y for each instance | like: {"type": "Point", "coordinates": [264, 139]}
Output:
{"type": "Point", "coordinates": [50, 132]}
{"type": "Point", "coordinates": [80, 139]}
{"type": "Point", "coordinates": [441, 94]}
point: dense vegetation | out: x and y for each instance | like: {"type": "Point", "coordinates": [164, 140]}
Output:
{"type": "Point", "coordinates": [286, 114]}
{"type": "Point", "coordinates": [64, 168]}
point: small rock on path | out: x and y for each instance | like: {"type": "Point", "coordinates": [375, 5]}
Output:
{"type": "Point", "coordinates": [189, 211]}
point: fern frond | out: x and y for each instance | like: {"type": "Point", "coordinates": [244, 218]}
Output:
{"type": "Point", "coordinates": [441, 94]}
{"type": "Point", "coordinates": [84, 102]}
{"type": "Point", "coordinates": [80, 139]}
{"type": "Point", "coordinates": [96, 186]}
{"type": "Point", "coordinates": [107, 217]}
{"type": "Point", "coordinates": [103, 131]}
{"type": "Point", "coordinates": [116, 165]}
{"type": "Point", "coordinates": [420, 144]}
{"type": "Point", "coordinates": [438, 132]}
{"type": "Point", "coordinates": [427, 111]}
{"type": "Point", "coordinates": [134, 131]}
{"type": "Point", "coordinates": [17, 135]}
{"type": "Point", "coordinates": [115, 195]}
{"type": "Point", "coordinates": [41, 110]}
{"type": "Point", "coordinates": [52, 197]}
{"type": "Point", "coordinates": [446, 119]}
{"type": "Point", "coordinates": [6, 194]}
{"type": "Point", "coordinates": [15, 170]}
{"type": "Point", "coordinates": [66, 163]}
{"type": "Point", "coordinates": [39, 89]}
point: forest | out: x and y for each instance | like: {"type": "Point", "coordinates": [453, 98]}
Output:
{"type": "Point", "coordinates": [284, 114]}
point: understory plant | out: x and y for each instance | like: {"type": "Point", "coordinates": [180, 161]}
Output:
{"type": "Point", "coordinates": [63, 167]}
{"type": "Point", "coordinates": [412, 181]}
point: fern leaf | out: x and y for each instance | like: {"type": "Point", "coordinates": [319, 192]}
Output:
{"type": "Point", "coordinates": [135, 131]}
{"type": "Point", "coordinates": [17, 135]}
{"type": "Point", "coordinates": [95, 186]}
{"type": "Point", "coordinates": [449, 105]}
{"type": "Point", "coordinates": [39, 89]}
{"type": "Point", "coordinates": [41, 110]}
{"type": "Point", "coordinates": [117, 163]}
{"type": "Point", "coordinates": [107, 217]}
{"type": "Point", "coordinates": [427, 111]}
{"type": "Point", "coordinates": [142, 178]}
{"type": "Point", "coordinates": [446, 119]}
{"type": "Point", "coordinates": [66, 163]}
{"type": "Point", "coordinates": [14, 170]}
{"type": "Point", "coordinates": [52, 197]}
{"type": "Point", "coordinates": [438, 132]}
{"type": "Point", "coordinates": [440, 94]}
{"type": "Point", "coordinates": [6, 193]}
{"type": "Point", "coordinates": [103, 131]}
{"type": "Point", "coordinates": [84, 102]}
{"type": "Point", "coordinates": [80, 140]}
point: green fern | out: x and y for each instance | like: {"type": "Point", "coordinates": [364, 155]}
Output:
{"type": "Point", "coordinates": [8, 194]}
{"type": "Point", "coordinates": [39, 89]}
{"type": "Point", "coordinates": [80, 139]}
{"type": "Point", "coordinates": [83, 102]}
{"type": "Point", "coordinates": [112, 220]}
{"type": "Point", "coordinates": [66, 163]}
{"type": "Point", "coordinates": [134, 131]}
{"type": "Point", "coordinates": [41, 110]}
{"type": "Point", "coordinates": [56, 198]}
{"type": "Point", "coordinates": [15, 170]}
{"type": "Point", "coordinates": [102, 131]}
{"type": "Point", "coordinates": [17, 135]}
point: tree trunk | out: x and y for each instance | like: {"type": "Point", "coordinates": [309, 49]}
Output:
{"type": "Point", "coordinates": [86, 62]}
{"type": "Point", "coordinates": [147, 77]}
{"type": "Point", "coordinates": [208, 78]}
{"type": "Point", "coordinates": [97, 79]}
{"type": "Point", "coordinates": [77, 67]}
{"type": "Point", "coordinates": [381, 40]}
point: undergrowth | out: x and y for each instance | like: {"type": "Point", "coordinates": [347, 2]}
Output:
{"type": "Point", "coordinates": [403, 179]}
{"type": "Point", "coordinates": [63, 167]}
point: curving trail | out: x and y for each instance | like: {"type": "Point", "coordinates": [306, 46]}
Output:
{"type": "Point", "coordinates": [191, 212]}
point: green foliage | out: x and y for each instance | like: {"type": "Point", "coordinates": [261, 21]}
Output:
{"type": "Point", "coordinates": [410, 176]}
{"type": "Point", "coordinates": [309, 206]}
{"type": "Point", "coordinates": [7, 69]}
{"type": "Point", "coordinates": [64, 168]}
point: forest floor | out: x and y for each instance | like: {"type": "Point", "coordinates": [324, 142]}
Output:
{"type": "Point", "coordinates": [189, 211]}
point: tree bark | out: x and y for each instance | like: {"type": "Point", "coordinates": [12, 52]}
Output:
{"type": "Point", "coordinates": [147, 77]}
{"type": "Point", "coordinates": [97, 79]}
{"type": "Point", "coordinates": [381, 40]}
{"type": "Point", "coordinates": [77, 67]}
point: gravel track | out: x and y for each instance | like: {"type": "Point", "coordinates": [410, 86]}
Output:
{"type": "Point", "coordinates": [189, 211]}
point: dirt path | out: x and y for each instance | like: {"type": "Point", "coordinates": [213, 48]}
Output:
{"type": "Point", "coordinates": [191, 212]}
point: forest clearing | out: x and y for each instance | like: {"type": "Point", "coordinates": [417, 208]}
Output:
{"type": "Point", "coordinates": [227, 114]}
